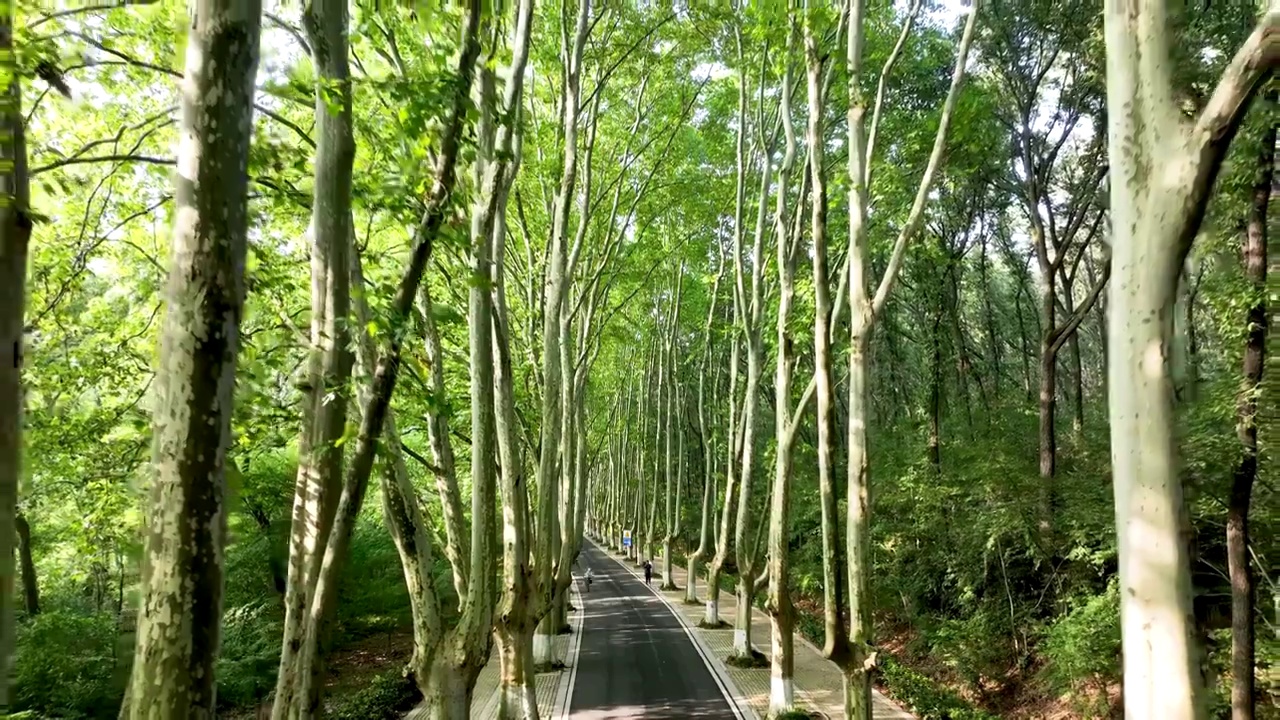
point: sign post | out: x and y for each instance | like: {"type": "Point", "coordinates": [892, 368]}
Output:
{"type": "Point", "coordinates": [626, 538]}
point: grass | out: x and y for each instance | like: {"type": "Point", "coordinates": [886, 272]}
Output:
{"type": "Point", "coordinates": [755, 659]}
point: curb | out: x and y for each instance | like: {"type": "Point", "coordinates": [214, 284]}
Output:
{"type": "Point", "coordinates": [737, 703]}
{"type": "Point", "coordinates": [564, 689]}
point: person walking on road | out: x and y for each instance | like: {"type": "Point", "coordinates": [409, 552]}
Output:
{"type": "Point", "coordinates": [648, 572]}
{"type": "Point", "coordinates": [588, 577]}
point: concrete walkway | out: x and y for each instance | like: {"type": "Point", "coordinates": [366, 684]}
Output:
{"type": "Point", "coordinates": [818, 683]}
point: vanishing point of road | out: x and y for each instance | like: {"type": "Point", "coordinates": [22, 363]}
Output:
{"type": "Point", "coordinates": [636, 659]}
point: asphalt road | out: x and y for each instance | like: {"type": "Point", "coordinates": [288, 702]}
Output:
{"type": "Point", "coordinates": [636, 660]}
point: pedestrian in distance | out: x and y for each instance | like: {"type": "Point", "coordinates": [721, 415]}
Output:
{"type": "Point", "coordinates": [588, 578]}
{"type": "Point", "coordinates": [648, 572]}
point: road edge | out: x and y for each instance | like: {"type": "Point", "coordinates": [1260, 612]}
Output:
{"type": "Point", "coordinates": [564, 689]}
{"type": "Point", "coordinates": [737, 701]}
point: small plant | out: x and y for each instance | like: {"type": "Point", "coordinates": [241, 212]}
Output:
{"type": "Point", "coordinates": [388, 697]}
{"type": "Point", "coordinates": [924, 697]}
{"type": "Point", "coordinates": [1083, 650]}
{"type": "Point", "coordinates": [754, 659]}
{"type": "Point", "coordinates": [796, 714]}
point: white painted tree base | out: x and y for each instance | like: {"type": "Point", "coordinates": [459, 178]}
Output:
{"type": "Point", "coordinates": [740, 643]}
{"type": "Point", "coordinates": [542, 649]}
{"type": "Point", "coordinates": [520, 701]}
{"type": "Point", "coordinates": [712, 614]}
{"type": "Point", "coordinates": [781, 695]}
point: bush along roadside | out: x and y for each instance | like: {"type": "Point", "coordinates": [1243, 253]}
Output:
{"type": "Point", "coordinates": [918, 693]}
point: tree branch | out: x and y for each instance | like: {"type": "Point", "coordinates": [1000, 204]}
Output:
{"type": "Point", "coordinates": [912, 225]}
{"type": "Point", "coordinates": [85, 9]}
{"type": "Point", "coordinates": [884, 80]}
{"type": "Point", "coordinates": [1062, 334]}
{"type": "Point", "coordinates": [1253, 63]}
{"type": "Point", "coordinates": [83, 160]}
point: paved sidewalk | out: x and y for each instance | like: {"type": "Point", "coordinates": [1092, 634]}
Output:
{"type": "Point", "coordinates": [484, 703]}
{"type": "Point", "coordinates": [818, 682]}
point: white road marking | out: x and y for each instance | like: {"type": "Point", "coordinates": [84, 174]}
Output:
{"type": "Point", "coordinates": [737, 703]}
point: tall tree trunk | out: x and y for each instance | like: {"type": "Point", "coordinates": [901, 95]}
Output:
{"type": "Point", "coordinates": [989, 317]}
{"type": "Point", "coordinates": [15, 235]}
{"type": "Point", "coordinates": [835, 643]}
{"type": "Point", "coordinates": [30, 588]}
{"type": "Point", "coordinates": [670, 426]}
{"type": "Point", "coordinates": [732, 473]}
{"type": "Point", "coordinates": [547, 543]}
{"type": "Point", "coordinates": [517, 697]}
{"type": "Point", "coordinates": [752, 319]}
{"type": "Point", "coordinates": [780, 608]}
{"type": "Point", "coordinates": [706, 518]}
{"type": "Point", "coordinates": [935, 393]}
{"type": "Point", "coordinates": [1163, 168]}
{"type": "Point", "coordinates": [723, 537]}
{"type": "Point", "coordinates": [864, 308]}
{"type": "Point", "coordinates": [180, 616]}
{"type": "Point", "coordinates": [513, 620]}
{"type": "Point", "coordinates": [324, 415]}
{"type": "Point", "coordinates": [1242, 587]}
{"type": "Point", "coordinates": [373, 412]}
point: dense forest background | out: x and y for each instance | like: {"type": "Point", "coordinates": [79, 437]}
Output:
{"type": "Point", "coordinates": [993, 534]}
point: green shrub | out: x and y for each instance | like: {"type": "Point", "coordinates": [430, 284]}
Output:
{"type": "Point", "coordinates": [250, 654]}
{"type": "Point", "coordinates": [974, 646]}
{"type": "Point", "coordinates": [924, 697]}
{"type": "Point", "coordinates": [387, 697]}
{"type": "Point", "coordinates": [68, 666]}
{"type": "Point", "coordinates": [1083, 646]}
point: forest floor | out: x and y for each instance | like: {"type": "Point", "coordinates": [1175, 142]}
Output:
{"type": "Point", "coordinates": [1014, 697]}
{"type": "Point", "coordinates": [353, 666]}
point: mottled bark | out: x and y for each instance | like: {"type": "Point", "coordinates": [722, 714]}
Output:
{"type": "Point", "coordinates": [15, 235]}
{"type": "Point", "coordinates": [512, 621]}
{"type": "Point", "coordinates": [863, 310]}
{"type": "Point", "coordinates": [1162, 167]}
{"type": "Point", "coordinates": [180, 613]}
{"type": "Point", "coordinates": [324, 416]}
{"type": "Point", "coordinates": [750, 324]}
{"type": "Point", "coordinates": [723, 536]}
{"type": "Point", "coordinates": [706, 516]}
{"type": "Point", "coordinates": [671, 426]}
{"type": "Point", "coordinates": [835, 639]}
{"type": "Point", "coordinates": [547, 542]}
{"type": "Point", "coordinates": [374, 410]}
{"type": "Point", "coordinates": [779, 604]}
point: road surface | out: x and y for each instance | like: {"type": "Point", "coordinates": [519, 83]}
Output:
{"type": "Point", "coordinates": [636, 661]}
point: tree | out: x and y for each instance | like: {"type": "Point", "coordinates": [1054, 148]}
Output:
{"type": "Point", "coordinates": [553, 372]}
{"type": "Point", "coordinates": [15, 234]}
{"type": "Point", "coordinates": [1254, 256]}
{"type": "Point", "coordinates": [181, 611]}
{"type": "Point", "coordinates": [1162, 170]}
{"type": "Point", "coordinates": [376, 404]}
{"type": "Point", "coordinates": [324, 407]}
{"type": "Point", "coordinates": [707, 514]}
{"type": "Point", "coordinates": [669, 426]}
{"type": "Point", "coordinates": [863, 310]}
{"type": "Point", "coordinates": [1044, 78]}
